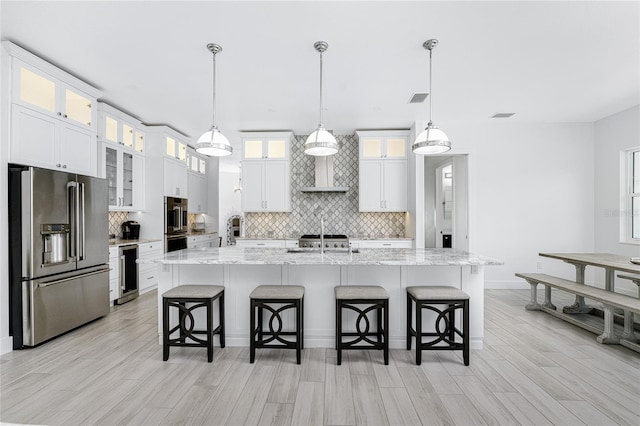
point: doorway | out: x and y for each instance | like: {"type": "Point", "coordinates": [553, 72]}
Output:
{"type": "Point", "coordinates": [446, 202]}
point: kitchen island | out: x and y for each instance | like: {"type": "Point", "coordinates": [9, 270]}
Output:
{"type": "Point", "coordinates": [240, 270]}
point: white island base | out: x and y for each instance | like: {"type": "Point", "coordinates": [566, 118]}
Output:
{"type": "Point", "coordinates": [319, 280]}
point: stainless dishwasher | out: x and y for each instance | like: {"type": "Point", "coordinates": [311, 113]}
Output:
{"type": "Point", "coordinates": [128, 274]}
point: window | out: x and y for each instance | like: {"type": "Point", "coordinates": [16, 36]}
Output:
{"type": "Point", "coordinates": [630, 220]}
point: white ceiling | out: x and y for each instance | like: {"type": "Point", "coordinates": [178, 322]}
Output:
{"type": "Point", "coordinates": [546, 61]}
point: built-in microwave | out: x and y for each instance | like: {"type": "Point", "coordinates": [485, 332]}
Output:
{"type": "Point", "coordinates": [175, 215]}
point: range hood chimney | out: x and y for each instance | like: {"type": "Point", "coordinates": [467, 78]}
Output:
{"type": "Point", "coordinates": [324, 177]}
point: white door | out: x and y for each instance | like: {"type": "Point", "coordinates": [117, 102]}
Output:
{"type": "Point", "coordinates": [33, 138]}
{"type": "Point", "coordinates": [395, 185]}
{"type": "Point", "coordinates": [371, 186]}
{"type": "Point", "coordinates": [276, 188]}
{"type": "Point", "coordinates": [252, 200]}
{"type": "Point", "coordinates": [444, 202]}
{"type": "Point", "coordinates": [78, 150]}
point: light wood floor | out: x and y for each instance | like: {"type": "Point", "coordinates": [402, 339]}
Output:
{"type": "Point", "coordinates": [534, 369]}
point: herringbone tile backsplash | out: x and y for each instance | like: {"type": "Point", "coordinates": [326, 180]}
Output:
{"type": "Point", "coordinates": [339, 210]}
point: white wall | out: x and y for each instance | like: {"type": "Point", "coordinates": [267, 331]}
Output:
{"type": "Point", "coordinates": [6, 342]}
{"type": "Point", "coordinates": [613, 134]}
{"type": "Point", "coordinates": [530, 190]}
{"type": "Point", "coordinates": [229, 201]}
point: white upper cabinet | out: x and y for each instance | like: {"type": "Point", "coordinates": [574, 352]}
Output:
{"type": "Point", "coordinates": [383, 171]}
{"type": "Point", "coordinates": [118, 128]}
{"type": "Point", "coordinates": [53, 115]}
{"type": "Point", "coordinates": [124, 171]}
{"type": "Point", "coordinates": [266, 147]}
{"type": "Point", "coordinates": [266, 185]}
{"type": "Point", "coordinates": [196, 182]}
{"type": "Point", "coordinates": [38, 90]}
{"type": "Point", "coordinates": [175, 148]}
{"type": "Point", "coordinates": [166, 152]}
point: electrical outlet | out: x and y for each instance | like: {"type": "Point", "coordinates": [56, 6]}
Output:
{"type": "Point", "coordinates": [539, 265]}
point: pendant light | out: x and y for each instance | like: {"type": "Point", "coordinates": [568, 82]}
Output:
{"type": "Point", "coordinates": [212, 142]}
{"type": "Point", "coordinates": [432, 140]}
{"type": "Point", "coordinates": [320, 143]}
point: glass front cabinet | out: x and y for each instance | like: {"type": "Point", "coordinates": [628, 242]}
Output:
{"type": "Point", "coordinates": [124, 171]}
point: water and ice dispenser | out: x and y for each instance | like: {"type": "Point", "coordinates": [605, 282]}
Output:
{"type": "Point", "coordinates": [55, 240]}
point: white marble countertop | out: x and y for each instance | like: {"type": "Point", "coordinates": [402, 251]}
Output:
{"type": "Point", "coordinates": [116, 242]}
{"type": "Point", "coordinates": [280, 256]}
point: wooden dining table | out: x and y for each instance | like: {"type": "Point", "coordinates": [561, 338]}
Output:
{"type": "Point", "coordinates": [610, 263]}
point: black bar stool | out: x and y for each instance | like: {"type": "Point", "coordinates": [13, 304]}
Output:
{"type": "Point", "coordinates": [261, 298]}
{"type": "Point", "coordinates": [200, 296]}
{"type": "Point", "coordinates": [425, 297]}
{"type": "Point", "coordinates": [376, 298]}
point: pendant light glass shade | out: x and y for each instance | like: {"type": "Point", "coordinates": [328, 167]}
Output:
{"type": "Point", "coordinates": [213, 143]}
{"type": "Point", "coordinates": [432, 140]}
{"type": "Point", "coordinates": [320, 143]}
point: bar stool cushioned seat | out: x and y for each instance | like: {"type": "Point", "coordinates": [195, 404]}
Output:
{"type": "Point", "coordinates": [377, 298]}
{"type": "Point", "coordinates": [198, 296]}
{"type": "Point", "coordinates": [428, 297]}
{"type": "Point", "coordinates": [262, 298]}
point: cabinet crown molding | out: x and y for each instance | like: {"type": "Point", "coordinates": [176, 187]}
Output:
{"type": "Point", "coordinates": [56, 71]}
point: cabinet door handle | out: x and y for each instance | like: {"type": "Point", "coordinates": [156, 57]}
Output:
{"type": "Point", "coordinates": [58, 165]}
{"type": "Point", "coordinates": [59, 114]}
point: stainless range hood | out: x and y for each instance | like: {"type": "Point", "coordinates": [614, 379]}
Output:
{"type": "Point", "coordinates": [324, 177]}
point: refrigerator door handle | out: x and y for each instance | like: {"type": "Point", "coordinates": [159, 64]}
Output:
{"type": "Point", "coordinates": [75, 277]}
{"type": "Point", "coordinates": [81, 224]}
{"type": "Point", "coordinates": [72, 200]}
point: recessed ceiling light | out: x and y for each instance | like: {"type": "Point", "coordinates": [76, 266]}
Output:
{"type": "Point", "coordinates": [502, 114]}
{"type": "Point", "coordinates": [418, 98]}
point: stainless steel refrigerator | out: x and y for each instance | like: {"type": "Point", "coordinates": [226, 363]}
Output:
{"type": "Point", "coordinates": [58, 252]}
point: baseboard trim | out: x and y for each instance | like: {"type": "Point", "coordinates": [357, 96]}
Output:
{"type": "Point", "coordinates": [6, 345]}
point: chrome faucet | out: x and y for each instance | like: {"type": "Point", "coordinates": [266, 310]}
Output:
{"type": "Point", "coordinates": [321, 235]}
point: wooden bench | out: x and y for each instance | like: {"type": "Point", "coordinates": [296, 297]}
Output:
{"type": "Point", "coordinates": [609, 300]}
{"type": "Point", "coordinates": [629, 331]}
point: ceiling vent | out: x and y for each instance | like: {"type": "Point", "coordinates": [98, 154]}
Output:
{"type": "Point", "coordinates": [418, 98]}
{"type": "Point", "coordinates": [503, 114]}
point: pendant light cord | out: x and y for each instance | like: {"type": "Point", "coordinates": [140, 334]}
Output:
{"type": "Point", "coordinates": [430, 89]}
{"type": "Point", "coordinates": [213, 115]}
{"type": "Point", "coordinates": [321, 118]}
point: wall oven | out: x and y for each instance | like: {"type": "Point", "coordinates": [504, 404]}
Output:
{"type": "Point", "coordinates": [175, 224]}
{"type": "Point", "coordinates": [175, 242]}
{"type": "Point", "coordinates": [175, 215]}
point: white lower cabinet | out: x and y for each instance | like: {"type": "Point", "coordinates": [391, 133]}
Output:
{"type": "Point", "coordinates": [260, 243]}
{"type": "Point", "coordinates": [400, 243]}
{"type": "Point", "coordinates": [148, 273]}
{"type": "Point", "coordinates": [114, 272]}
{"type": "Point", "coordinates": [202, 241]}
